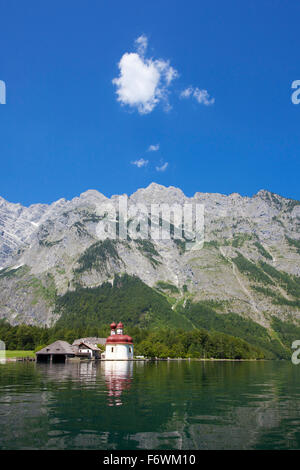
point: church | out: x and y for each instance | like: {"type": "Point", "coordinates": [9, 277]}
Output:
{"type": "Point", "coordinates": [118, 347]}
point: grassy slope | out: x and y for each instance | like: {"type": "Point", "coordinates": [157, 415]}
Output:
{"type": "Point", "coordinates": [13, 354]}
{"type": "Point", "coordinates": [128, 299]}
{"type": "Point", "coordinates": [203, 315]}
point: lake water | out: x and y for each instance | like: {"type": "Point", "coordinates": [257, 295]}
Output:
{"type": "Point", "coordinates": [137, 405]}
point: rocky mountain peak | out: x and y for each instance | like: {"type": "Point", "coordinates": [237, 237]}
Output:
{"type": "Point", "coordinates": [157, 193]}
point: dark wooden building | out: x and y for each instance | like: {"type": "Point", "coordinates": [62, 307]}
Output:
{"type": "Point", "coordinates": [59, 351]}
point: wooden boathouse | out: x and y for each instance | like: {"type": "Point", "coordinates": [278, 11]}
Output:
{"type": "Point", "coordinates": [59, 351]}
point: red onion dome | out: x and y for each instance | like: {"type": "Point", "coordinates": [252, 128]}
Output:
{"type": "Point", "coordinates": [120, 325]}
{"type": "Point", "coordinates": [113, 326]}
{"type": "Point", "coordinates": [120, 339]}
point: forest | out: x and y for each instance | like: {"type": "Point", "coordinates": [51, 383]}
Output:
{"type": "Point", "coordinates": [161, 343]}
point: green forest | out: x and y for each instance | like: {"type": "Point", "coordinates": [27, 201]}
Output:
{"type": "Point", "coordinates": [161, 343]}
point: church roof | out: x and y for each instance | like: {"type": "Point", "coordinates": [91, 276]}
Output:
{"type": "Point", "coordinates": [121, 339]}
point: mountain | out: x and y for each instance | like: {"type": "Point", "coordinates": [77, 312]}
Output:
{"type": "Point", "coordinates": [248, 265]}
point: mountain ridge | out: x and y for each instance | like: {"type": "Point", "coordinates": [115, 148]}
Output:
{"type": "Point", "coordinates": [151, 185]}
{"type": "Point", "coordinates": [42, 247]}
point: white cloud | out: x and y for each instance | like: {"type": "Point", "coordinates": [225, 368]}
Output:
{"type": "Point", "coordinates": [153, 148]}
{"type": "Point", "coordinates": [140, 163]}
{"type": "Point", "coordinates": [162, 167]}
{"type": "Point", "coordinates": [186, 93]}
{"type": "Point", "coordinates": [141, 44]}
{"type": "Point", "coordinates": [143, 83]}
{"type": "Point", "coordinates": [202, 96]}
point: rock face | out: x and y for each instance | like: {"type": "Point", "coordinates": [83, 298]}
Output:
{"type": "Point", "coordinates": [249, 263]}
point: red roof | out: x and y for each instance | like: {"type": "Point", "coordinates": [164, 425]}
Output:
{"type": "Point", "coordinates": [113, 326]}
{"type": "Point", "coordinates": [120, 325]}
{"type": "Point", "coordinates": [121, 339]}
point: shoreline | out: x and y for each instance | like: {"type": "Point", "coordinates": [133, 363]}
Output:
{"type": "Point", "coordinates": [146, 359]}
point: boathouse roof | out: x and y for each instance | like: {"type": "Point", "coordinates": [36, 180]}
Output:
{"type": "Point", "coordinates": [58, 347]}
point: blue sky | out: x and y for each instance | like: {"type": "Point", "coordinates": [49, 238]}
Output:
{"type": "Point", "coordinates": [209, 82]}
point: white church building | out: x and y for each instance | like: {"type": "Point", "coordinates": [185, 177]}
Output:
{"type": "Point", "coordinates": [118, 347]}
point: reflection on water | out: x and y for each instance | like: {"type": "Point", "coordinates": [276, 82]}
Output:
{"type": "Point", "coordinates": [118, 375]}
{"type": "Point", "coordinates": [85, 371]}
{"type": "Point", "coordinates": [2, 352]}
{"type": "Point", "coordinates": [165, 405]}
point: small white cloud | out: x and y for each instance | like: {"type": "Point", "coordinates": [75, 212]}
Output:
{"type": "Point", "coordinates": [202, 96]}
{"type": "Point", "coordinates": [141, 44]}
{"type": "Point", "coordinates": [186, 93]}
{"type": "Point", "coordinates": [153, 148]}
{"type": "Point", "coordinates": [143, 83]}
{"type": "Point", "coordinates": [163, 167]}
{"type": "Point", "coordinates": [140, 163]}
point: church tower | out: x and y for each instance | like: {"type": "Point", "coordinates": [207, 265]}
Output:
{"type": "Point", "coordinates": [119, 347]}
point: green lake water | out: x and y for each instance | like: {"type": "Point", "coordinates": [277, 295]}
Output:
{"type": "Point", "coordinates": [137, 405]}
